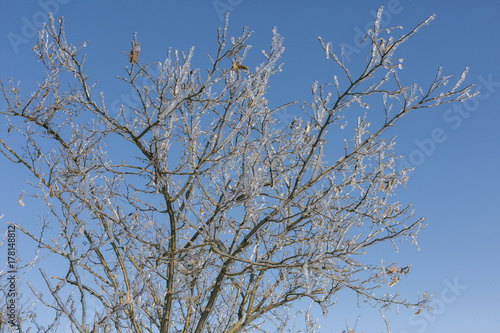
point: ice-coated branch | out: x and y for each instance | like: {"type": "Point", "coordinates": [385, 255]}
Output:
{"type": "Point", "coordinates": [206, 212]}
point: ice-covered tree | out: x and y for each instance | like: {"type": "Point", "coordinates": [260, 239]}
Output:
{"type": "Point", "coordinates": [214, 214]}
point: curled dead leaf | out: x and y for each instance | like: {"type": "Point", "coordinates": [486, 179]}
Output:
{"type": "Point", "coordinates": [405, 270]}
{"type": "Point", "coordinates": [237, 66]}
{"type": "Point", "coordinates": [394, 280]}
{"type": "Point", "coordinates": [381, 187]}
{"type": "Point", "coordinates": [419, 310]}
{"type": "Point", "coordinates": [307, 128]}
{"type": "Point", "coordinates": [393, 269]}
{"type": "Point", "coordinates": [45, 92]}
{"type": "Point", "coordinates": [134, 54]}
{"type": "Point", "coordinates": [21, 203]}
{"type": "Point", "coordinates": [386, 186]}
{"type": "Point", "coordinates": [51, 192]}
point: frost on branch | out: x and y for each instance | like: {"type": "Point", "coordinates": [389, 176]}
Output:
{"type": "Point", "coordinates": [213, 215]}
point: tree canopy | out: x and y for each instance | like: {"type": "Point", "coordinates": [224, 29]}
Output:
{"type": "Point", "coordinates": [213, 215]}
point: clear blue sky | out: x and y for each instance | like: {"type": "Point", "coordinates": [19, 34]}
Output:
{"type": "Point", "coordinates": [456, 183]}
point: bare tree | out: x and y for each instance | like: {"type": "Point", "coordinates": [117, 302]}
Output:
{"type": "Point", "coordinates": [213, 216]}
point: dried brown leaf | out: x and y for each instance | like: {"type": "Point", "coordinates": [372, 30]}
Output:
{"type": "Point", "coordinates": [243, 67]}
{"type": "Point", "coordinates": [134, 54]}
{"type": "Point", "coordinates": [405, 270]}
{"type": "Point", "coordinates": [237, 66]}
{"type": "Point", "coordinates": [393, 269]}
{"type": "Point", "coordinates": [394, 280]}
